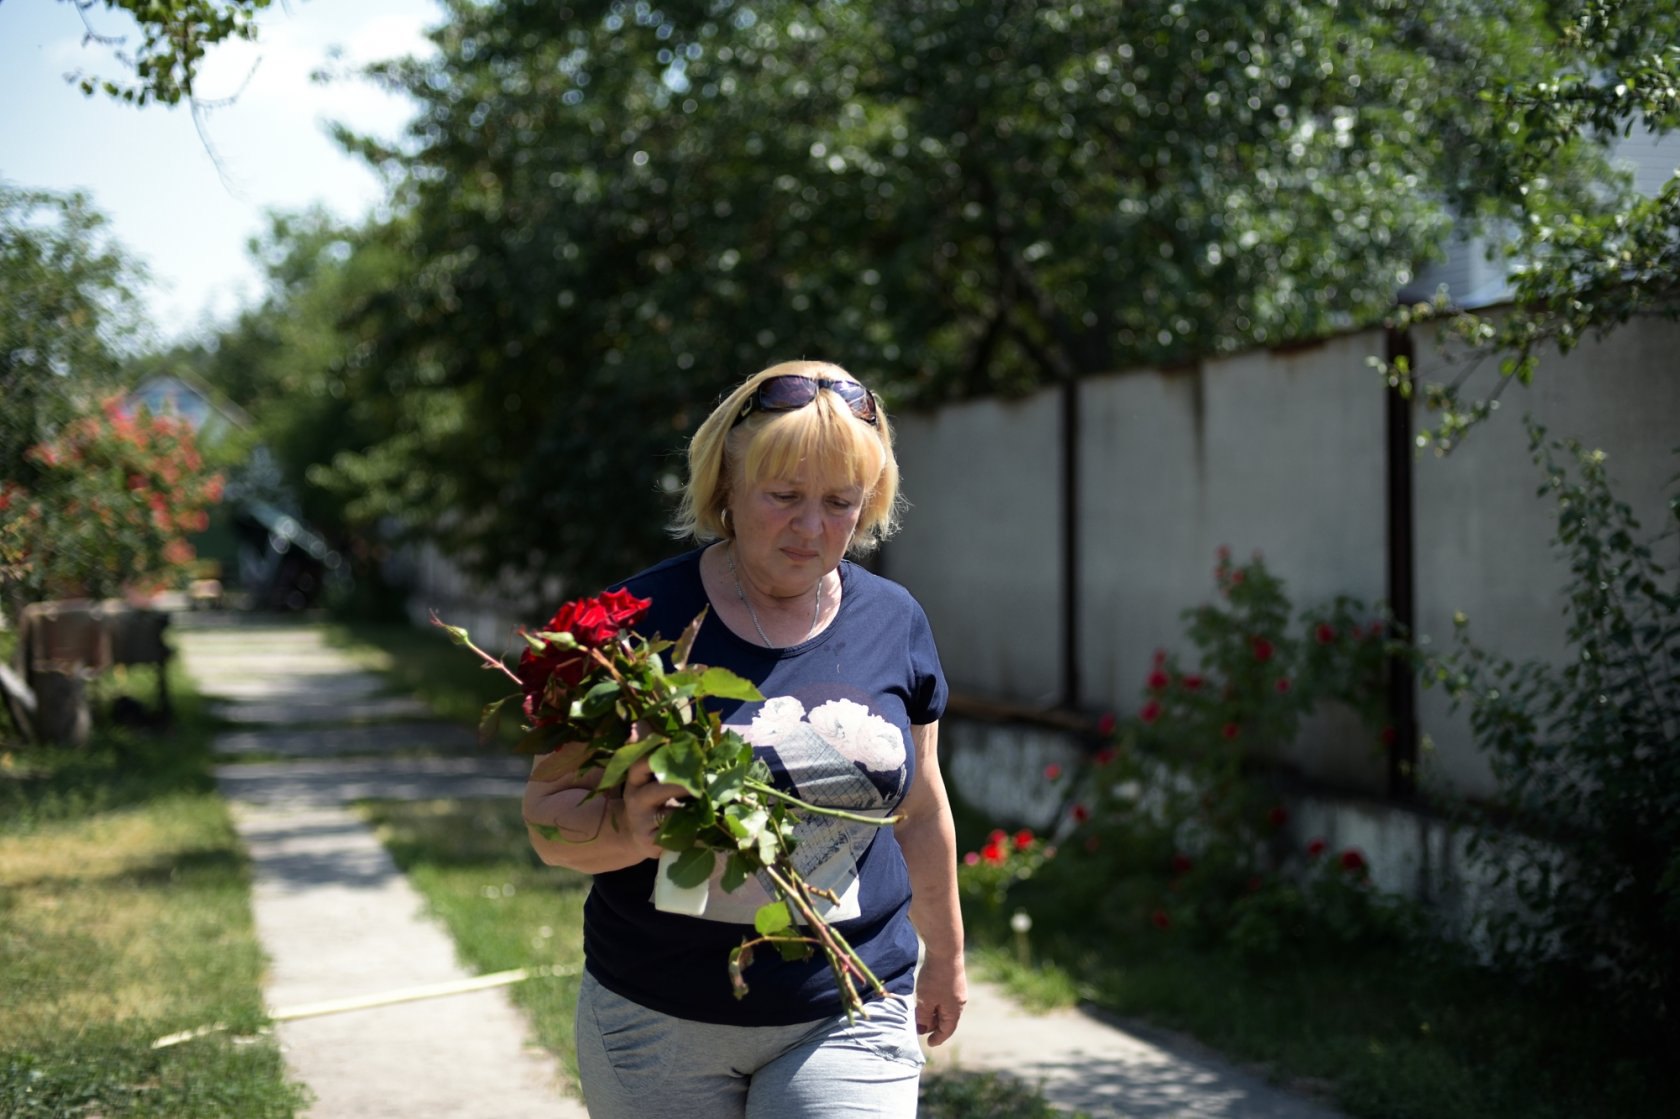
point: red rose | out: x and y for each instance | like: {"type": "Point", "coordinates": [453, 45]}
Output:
{"type": "Point", "coordinates": [1181, 863]}
{"type": "Point", "coordinates": [1325, 633]}
{"type": "Point", "coordinates": [1159, 658]}
{"type": "Point", "coordinates": [1315, 847]}
{"type": "Point", "coordinates": [1023, 839]}
{"type": "Point", "coordinates": [996, 835]}
{"type": "Point", "coordinates": [1283, 685]}
{"type": "Point", "coordinates": [1229, 732]}
{"type": "Point", "coordinates": [1150, 712]}
{"type": "Point", "coordinates": [1262, 649]}
{"type": "Point", "coordinates": [1160, 919]}
{"type": "Point", "coordinates": [1353, 861]}
{"type": "Point", "coordinates": [1105, 725]}
{"type": "Point", "coordinates": [1081, 813]}
{"type": "Point", "coordinates": [623, 608]}
{"type": "Point", "coordinates": [1052, 772]}
{"type": "Point", "coordinates": [1106, 756]}
{"type": "Point", "coordinates": [1278, 816]}
{"type": "Point", "coordinates": [993, 853]}
{"type": "Point", "coordinates": [1157, 681]}
{"type": "Point", "coordinates": [1191, 683]}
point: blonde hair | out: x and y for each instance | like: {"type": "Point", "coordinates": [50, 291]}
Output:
{"type": "Point", "coordinates": [823, 435]}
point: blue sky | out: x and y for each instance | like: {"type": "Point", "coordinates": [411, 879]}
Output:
{"type": "Point", "coordinates": [148, 169]}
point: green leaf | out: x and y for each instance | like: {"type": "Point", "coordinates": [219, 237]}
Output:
{"type": "Point", "coordinates": [490, 720]}
{"type": "Point", "coordinates": [772, 918]}
{"type": "Point", "coordinates": [685, 643]}
{"type": "Point", "coordinates": [597, 700]}
{"type": "Point", "coordinates": [682, 827]}
{"type": "Point", "coordinates": [724, 684]}
{"type": "Point", "coordinates": [623, 758]}
{"type": "Point", "coordinates": [677, 762]}
{"type": "Point", "coordinates": [692, 867]}
{"type": "Point", "coordinates": [736, 872]}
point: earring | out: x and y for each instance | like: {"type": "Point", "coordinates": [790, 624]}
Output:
{"type": "Point", "coordinates": [724, 517]}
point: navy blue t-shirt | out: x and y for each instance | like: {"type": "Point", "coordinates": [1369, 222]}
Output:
{"type": "Point", "coordinates": [834, 729]}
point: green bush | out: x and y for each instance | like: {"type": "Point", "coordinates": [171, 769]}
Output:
{"type": "Point", "coordinates": [1180, 812]}
{"type": "Point", "coordinates": [1585, 830]}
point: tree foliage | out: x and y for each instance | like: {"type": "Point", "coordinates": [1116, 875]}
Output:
{"type": "Point", "coordinates": [608, 211]}
{"type": "Point", "coordinates": [1582, 266]}
{"type": "Point", "coordinates": [173, 38]}
{"type": "Point", "coordinates": [66, 308]}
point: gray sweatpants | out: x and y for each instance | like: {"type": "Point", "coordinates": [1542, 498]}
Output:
{"type": "Point", "coordinates": [636, 1063]}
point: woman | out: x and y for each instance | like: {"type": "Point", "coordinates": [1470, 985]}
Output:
{"type": "Point", "coordinates": [793, 470]}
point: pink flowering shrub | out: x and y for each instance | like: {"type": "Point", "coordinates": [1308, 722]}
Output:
{"type": "Point", "coordinates": [105, 505]}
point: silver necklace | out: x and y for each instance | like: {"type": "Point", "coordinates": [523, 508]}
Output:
{"type": "Point", "coordinates": [741, 594]}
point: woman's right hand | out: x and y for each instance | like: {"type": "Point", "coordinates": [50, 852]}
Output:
{"type": "Point", "coordinates": [647, 801]}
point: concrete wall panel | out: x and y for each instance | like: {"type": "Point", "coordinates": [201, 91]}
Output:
{"type": "Point", "coordinates": [981, 544]}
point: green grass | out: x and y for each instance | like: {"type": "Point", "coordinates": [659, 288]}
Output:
{"type": "Point", "coordinates": [1402, 1032]}
{"type": "Point", "coordinates": [124, 917]}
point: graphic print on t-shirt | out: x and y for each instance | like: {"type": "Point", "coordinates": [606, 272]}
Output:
{"type": "Point", "coordinates": [840, 754]}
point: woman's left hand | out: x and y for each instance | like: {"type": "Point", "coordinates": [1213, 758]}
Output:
{"type": "Point", "coordinates": [941, 994]}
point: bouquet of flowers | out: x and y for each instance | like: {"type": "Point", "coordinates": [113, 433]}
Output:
{"type": "Point", "coordinates": [597, 697]}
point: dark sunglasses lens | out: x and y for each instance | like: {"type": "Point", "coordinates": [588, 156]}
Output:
{"type": "Point", "coordinates": [780, 394]}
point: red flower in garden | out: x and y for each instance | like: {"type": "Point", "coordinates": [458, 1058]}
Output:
{"type": "Point", "coordinates": [1181, 863]}
{"type": "Point", "coordinates": [1191, 683]}
{"type": "Point", "coordinates": [1106, 756]}
{"type": "Point", "coordinates": [1080, 813]}
{"type": "Point", "coordinates": [1023, 839]}
{"type": "Point", "coordinates": [1278, 816]}
{"type": "Point", "coordinates": [1160, 919]}
{"type": "Point", "coordinates": [1237, 575]}
{"type": "Point", "coordinates": [1159, 658]}
{"type": "Point", "coordinates": [1230, 731]}
{"type": "Point", "coordinates": [1052, 772]}
{"type": "Point", "coordinates": [1157, 681]}
{"type": "Point", "coordinates": [1105, 725]}
{"type": "Point", "coordinates": [1263, 649]}
{"type": "Point", "coordinates": [1283, 685]}
{"type": "Point", "coordinates": [994, 853]}
{"type": "Point", "coordinates": [1315, 847]}
{"type": "Point", "coordinates": [971, 859]}
{"type": "Point", "coordinates": [1150, 712]}
{"type": "Point", "coordinates": [1325, 633]}
{"type": "Point", "coordinates": [1353, 861]}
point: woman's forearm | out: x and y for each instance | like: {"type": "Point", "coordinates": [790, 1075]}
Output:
{"type": "Point", "coordinates": [588, 836]}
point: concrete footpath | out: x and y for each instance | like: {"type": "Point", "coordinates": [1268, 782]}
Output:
{"type": "Point", "coordinates": [340, 924]}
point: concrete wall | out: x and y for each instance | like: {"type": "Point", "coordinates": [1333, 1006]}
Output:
{"type": "Point", "coordinates": [1277, 452]}
{"type": "Point", "coordinates": [981, 543]}
{"type": "Point", "coordinates": [1483, 535]}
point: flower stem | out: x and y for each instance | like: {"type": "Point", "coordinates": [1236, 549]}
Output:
{"type": "Point", "coordinates": [836, 813]}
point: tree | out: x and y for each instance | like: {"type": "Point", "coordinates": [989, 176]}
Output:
{"type": "Point", "coordinates": [614, 210]}
{"type": "Point", "coordinates": [66, 309]}
{"type": "Point", "coordinates": [174, 36]}
{"type": "Point", "coordinates": [1582, 267]}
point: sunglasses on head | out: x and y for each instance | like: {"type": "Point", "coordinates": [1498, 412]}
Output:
{"type": "Point", "coordinates": [792, 391]}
